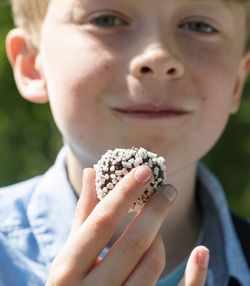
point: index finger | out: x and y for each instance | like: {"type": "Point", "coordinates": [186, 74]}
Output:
{"type": "Point", "coordinates": [95, 233]}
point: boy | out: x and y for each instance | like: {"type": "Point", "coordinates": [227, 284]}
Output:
{"type": "Point", "coordinates": [164, 75]}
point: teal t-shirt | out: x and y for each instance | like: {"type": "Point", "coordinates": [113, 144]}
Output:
{"type": "Point", "coordinates": [174, 277]}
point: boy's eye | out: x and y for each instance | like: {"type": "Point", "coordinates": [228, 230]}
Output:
{"type": "Point", "coordinates": [108, 21]}
{"type": "Point", "coordinates": [198, 27]}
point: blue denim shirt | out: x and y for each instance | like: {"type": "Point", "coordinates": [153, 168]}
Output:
{"type": "Point", "coordinates": [36, 216]}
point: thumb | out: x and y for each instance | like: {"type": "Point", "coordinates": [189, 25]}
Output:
{"type": "Point", "coordinates": [197, 266]}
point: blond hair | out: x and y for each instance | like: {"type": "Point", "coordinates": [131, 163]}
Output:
{"type": "Point", "coordinates": [29, 15]}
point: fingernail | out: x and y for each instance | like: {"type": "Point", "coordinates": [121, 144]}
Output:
{"type": "Point", "coordinates": [85, 172]}
{"type": "Point", "coordinates": [170, 193]}
{"type": "Point", "coordinates": [143, 174]}
{"type": "Point", "coordinates": [203, 258]}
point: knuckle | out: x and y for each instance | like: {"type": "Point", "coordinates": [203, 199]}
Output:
{"type": "Point", "coordinates": [159, 206]}
{"type": "Point", "coordinates": [58, 274]}
{"type": "Point", "coordinates": [158, 211]}
{"type": "Point", "coordinates": [156, 263]}
{"type": "Point", "coordinates": [105, 220]}
{"type": "Point", "coordinates": [62, 271]}
{"type": "Point", "coordinates": [134, 245]}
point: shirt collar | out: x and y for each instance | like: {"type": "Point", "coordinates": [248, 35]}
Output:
{"type": "Point", "coordinates": [51, 209]}
{"type": "Point", "coordinates": [227, 259]}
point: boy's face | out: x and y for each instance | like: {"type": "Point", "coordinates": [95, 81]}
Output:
{"type": "Point", "coordinates": [163, 74]}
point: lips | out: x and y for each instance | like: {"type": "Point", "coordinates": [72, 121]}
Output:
{"type": "Point", "coordinates": [153, 111]}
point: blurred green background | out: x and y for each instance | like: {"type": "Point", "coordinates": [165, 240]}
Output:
{"type": "Point", "coordinates": [30, 141]}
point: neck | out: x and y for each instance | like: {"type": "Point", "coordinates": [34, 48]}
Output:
{"type": "Point", "coordinates": [74, 170]}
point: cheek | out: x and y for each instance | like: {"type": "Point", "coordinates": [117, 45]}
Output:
{"type": "Point", "coordinates": [77, 76]}
{"type": "Point", "coordinates": [216, 93]}
{"type": "Point", "coordinates": [213, 75]}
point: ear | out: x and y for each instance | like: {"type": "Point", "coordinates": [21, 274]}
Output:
{"type": "Point", "coordinates": [239, 85]}
{"type": "Point", "coordinates": [25, 64]}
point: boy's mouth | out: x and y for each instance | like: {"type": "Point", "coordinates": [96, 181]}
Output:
{"type": "Point", "coordinates": [152, 111]}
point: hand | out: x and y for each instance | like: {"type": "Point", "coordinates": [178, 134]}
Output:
{"type": "Point", "coordinates": [136, 258]}
{"type": "Point", "coordinates": [197, 266]}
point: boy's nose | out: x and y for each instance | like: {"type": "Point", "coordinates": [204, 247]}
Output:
{"type": "Point", "coordinates": [156, 63]}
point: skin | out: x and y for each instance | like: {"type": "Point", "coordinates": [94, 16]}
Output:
{"type": "Point", "coordinates": [185, 53]}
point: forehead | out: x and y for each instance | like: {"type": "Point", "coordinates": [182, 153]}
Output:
{"type": "Point", "coordinates": [65, 7]}
{"type": "Point", "coordinates": [82, 2]}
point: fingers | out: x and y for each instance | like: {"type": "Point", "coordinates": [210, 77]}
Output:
{"type": "Point", "coordinates": [136, 239]}
{"type": "Point", "coordinates": [87, 200]}
{"type": "Point", "coordinates": [94, 234]}
{"type": "Point", "coordinates": [197, 266]}
{"type": "Point", "coordinates": [150, 267]}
